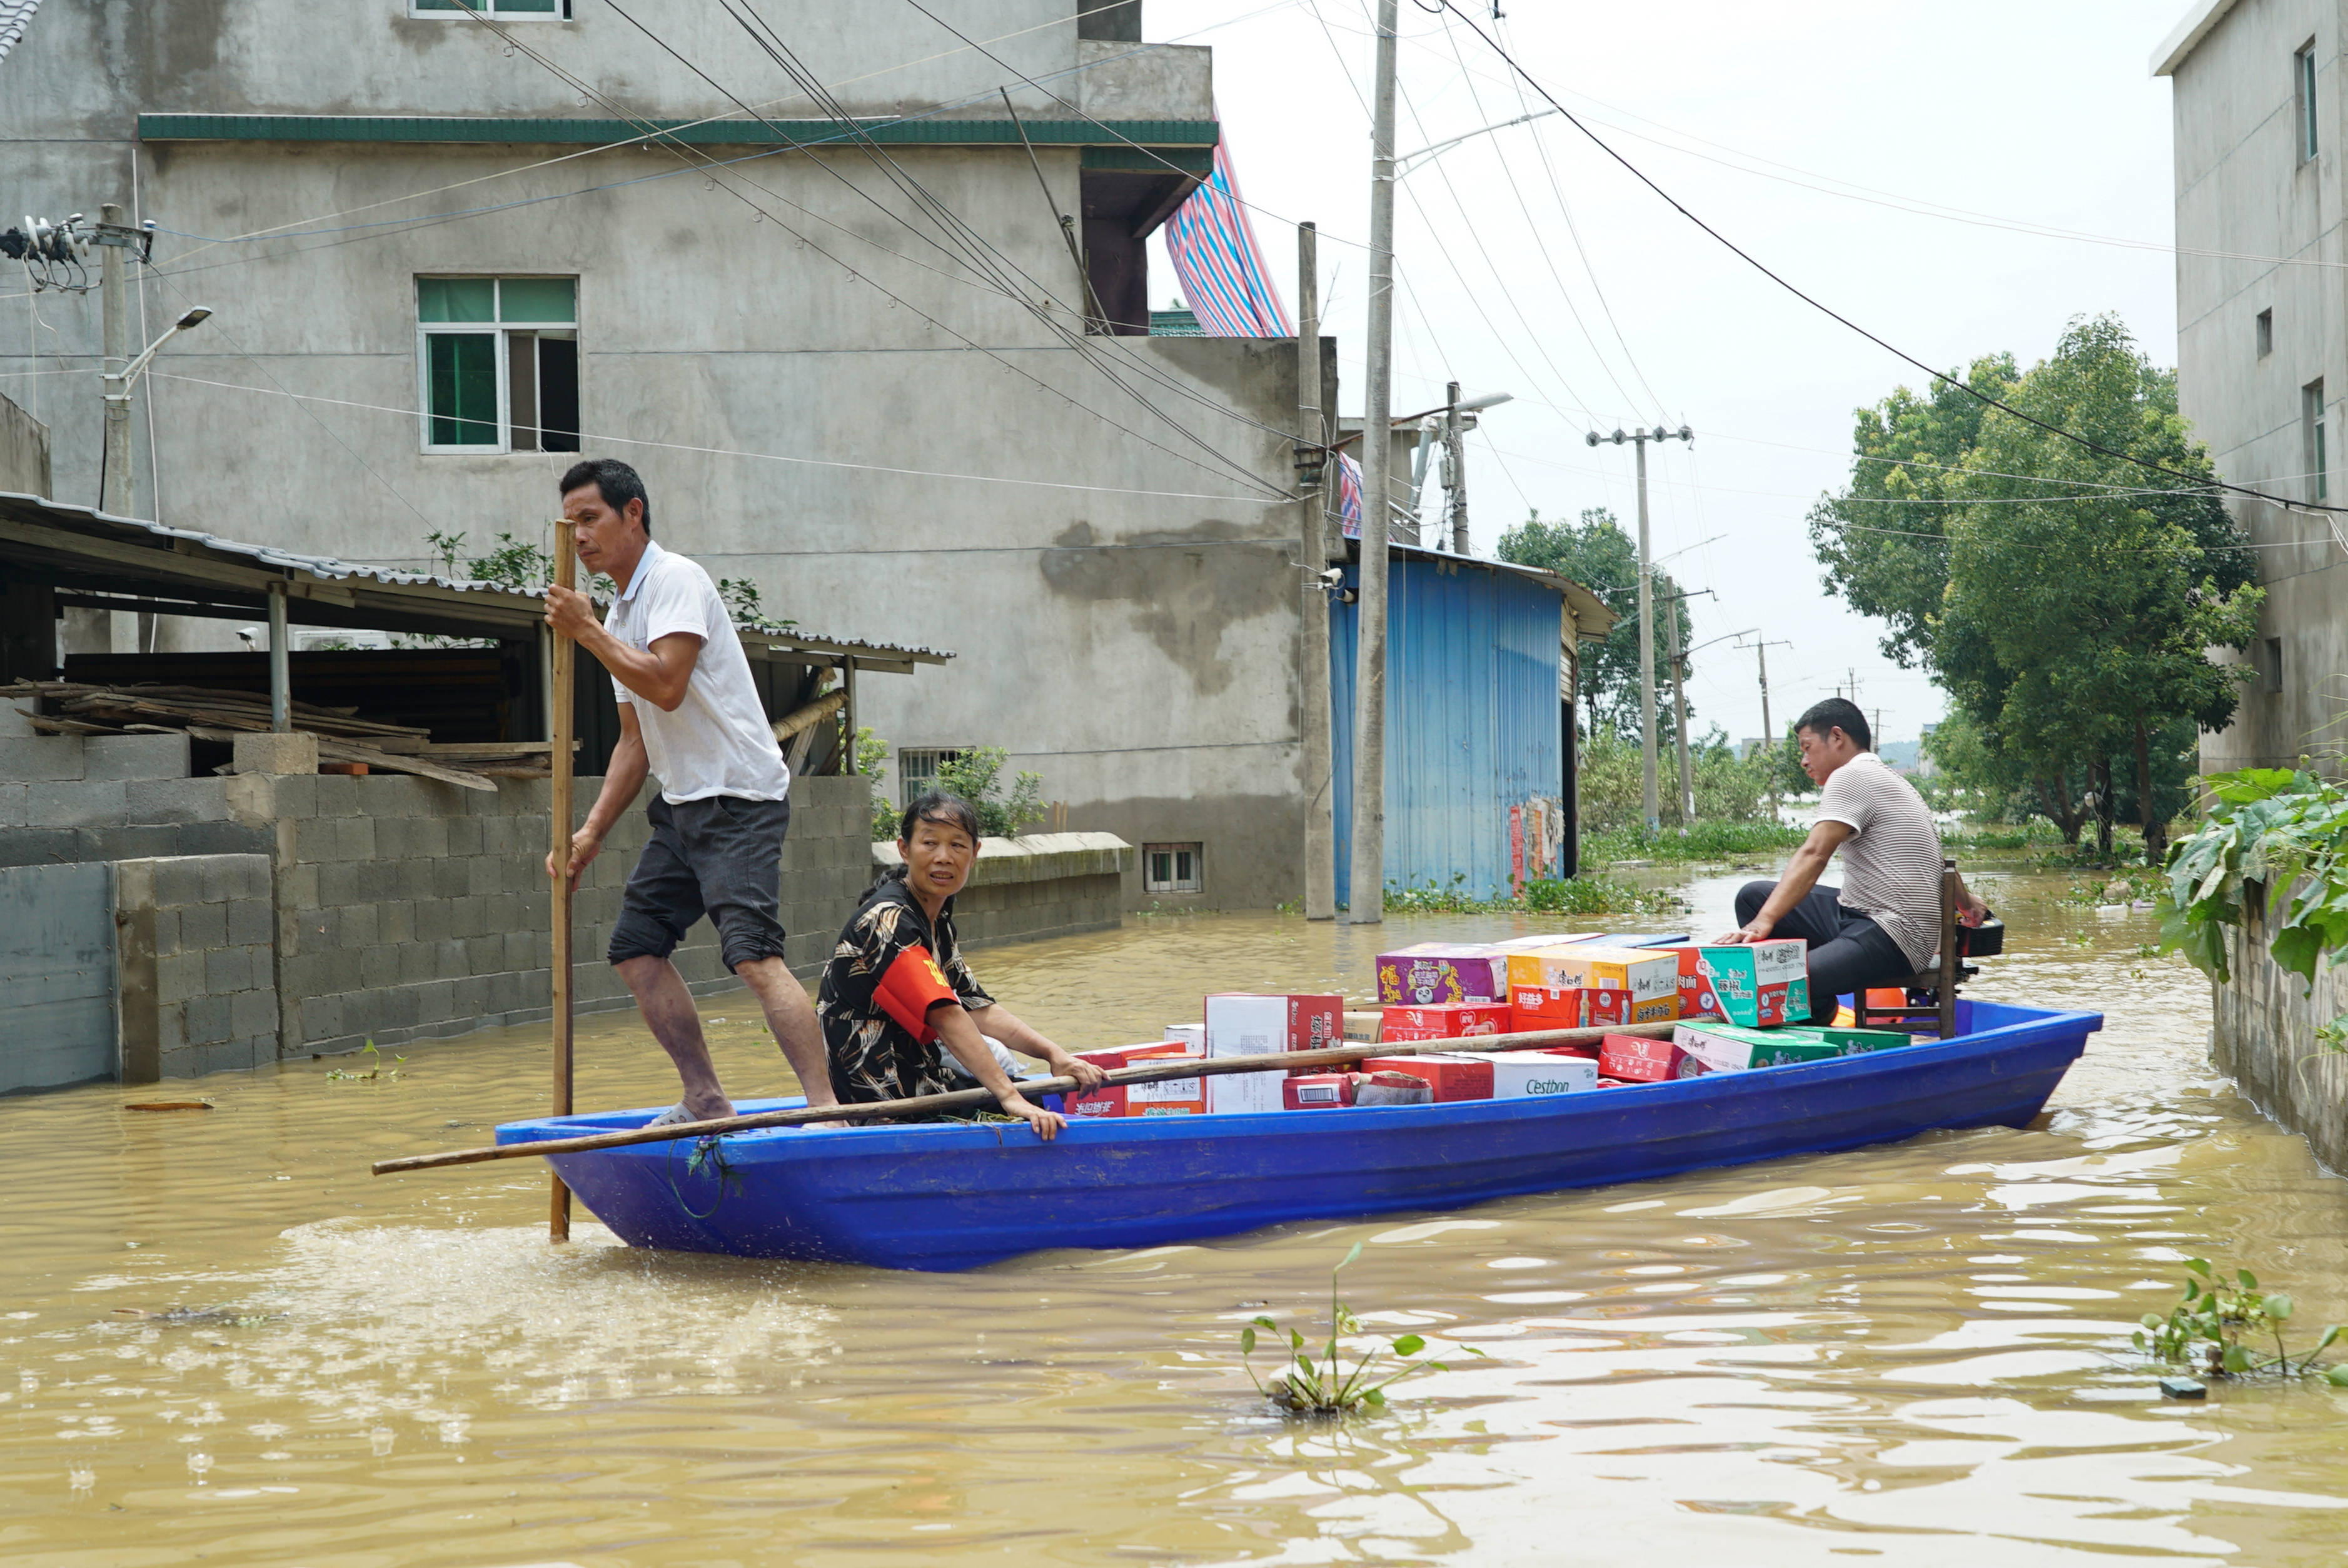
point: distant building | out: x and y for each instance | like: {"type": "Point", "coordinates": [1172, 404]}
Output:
{"type": "Point", "coordinates": [1901, 756]}
{"type": "Point", "coordinates": [2262, 330]}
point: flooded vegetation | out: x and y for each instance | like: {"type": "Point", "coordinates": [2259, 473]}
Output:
{"type": "Point", "coordinates": [221, 1339]}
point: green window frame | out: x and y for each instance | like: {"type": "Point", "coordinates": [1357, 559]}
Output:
{"type": "Point", "coordinates": [498, 363]}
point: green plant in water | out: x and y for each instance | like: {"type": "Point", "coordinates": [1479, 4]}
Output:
{"type": "Point", "coordinates": [2271, 836]}
{"type": "Point", "coordinates": [1323, 1387]}
{"type": "Point", "coordinates": [2220, 1330]}
{"type": "Point", "coordinates": [379, 1071]}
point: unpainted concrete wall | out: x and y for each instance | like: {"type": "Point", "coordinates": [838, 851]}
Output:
{"type": "Point", "coordinates": [2244, 197]}
{"type": "Point", "coordinates": [56, 976]}
{"type": "Point", "coordinates": [24, 452]}
{"type": "Point", "coordinates": [198, 983]}
{"type": "Point", "coordinates": [1036, 885]}
{"type": "Point", "coordinates": [2263, 1036]}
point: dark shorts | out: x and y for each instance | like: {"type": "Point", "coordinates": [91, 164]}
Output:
{"type": "Point", "coordinates": [720, 857]}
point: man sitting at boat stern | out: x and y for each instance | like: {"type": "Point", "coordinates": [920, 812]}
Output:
{"type": "Point", "coordinates": [1884, 922]}
{"type": "Point", "coordinates": [689, 712]}
{"type": "Point", "coordinates": [897, 987]}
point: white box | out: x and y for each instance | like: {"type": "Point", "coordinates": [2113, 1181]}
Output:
{"type": "Point", "coordinates": [1246, 1026]}
{"type": "Point", "coordinates": [1193, 1035]}
{"type": "Point", "coordinates": [1529, 1074]}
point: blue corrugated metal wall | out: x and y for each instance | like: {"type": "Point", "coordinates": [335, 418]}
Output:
{"type": "Point", "coordinates": [1473, 722]}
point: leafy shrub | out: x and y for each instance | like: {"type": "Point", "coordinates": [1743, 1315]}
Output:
{"type": "Point", "coordinates": [1310, 1387]}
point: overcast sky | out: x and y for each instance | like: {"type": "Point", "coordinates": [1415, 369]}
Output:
{"type": "Point", "coordinates": [1810, 135]}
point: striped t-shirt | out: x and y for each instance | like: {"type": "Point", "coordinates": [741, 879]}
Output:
{"type": "Point", "coordinates": [1891, 861]}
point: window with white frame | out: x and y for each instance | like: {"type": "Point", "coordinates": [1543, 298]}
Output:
{"type": "Point", "coordinates": [505, 10]}
{"type": "Point", "coordinates": [2310, 416]}
{"type": "Point", "coordinates": [498, 362]}
{"type": "Point", "coordinates": [1172, 867]}
{"type": "Point", "coordinates": [2302, 82]}
{"type": "Point", "coordinates": [917, 770]}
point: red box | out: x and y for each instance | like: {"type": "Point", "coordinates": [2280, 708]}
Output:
{"type": "Point", "coordinates": [1638, 1060]}
{"type": "Point", "coordinates": [1442, 1021]}
{"type": "Point", "coordinates": [1319, 1090]}
{"type": "Point", "coordinates": [1451, 1077]}
{"type": "Point", "coordinates": [1605, 1005]}
{"type": "Point", "coordinates": [1697, 998]}
{"type": "Point", "coordinates": [1169, 1097]}
{"type": "Point", "coordinates": [1542, 1007]}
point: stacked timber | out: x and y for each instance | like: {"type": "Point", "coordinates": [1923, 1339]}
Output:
{"type": "Point", "coordinates": [205, 714]}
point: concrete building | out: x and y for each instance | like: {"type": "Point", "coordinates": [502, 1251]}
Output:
{"type": "Point", "coordinates": [2262, 330]}
{"type": "Point", "coordinates": [842, 336]}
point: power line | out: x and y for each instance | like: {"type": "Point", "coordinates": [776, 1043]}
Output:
{"type": "Point", "coordinates": [764, 457]}
{"type": "Point", "coordinates": [1750, 260]}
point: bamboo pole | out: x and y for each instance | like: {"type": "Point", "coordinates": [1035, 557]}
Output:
{"type": "Point", "coordinates": [971, 1099]}
{"type": "Point", "coordinates": [562, 721]}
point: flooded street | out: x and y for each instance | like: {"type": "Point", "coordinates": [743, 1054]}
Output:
{"type": "Point", "coordinates": [1915, 1354]}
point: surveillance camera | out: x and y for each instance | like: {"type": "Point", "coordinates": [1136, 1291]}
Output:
{"type": "Point", "coordinates": [1334, 577]}
{"type": "Point", "coordinates": [248, 636]}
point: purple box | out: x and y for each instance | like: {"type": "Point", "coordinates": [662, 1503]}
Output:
{"type": "Point", "coordinates": [1436, 972]}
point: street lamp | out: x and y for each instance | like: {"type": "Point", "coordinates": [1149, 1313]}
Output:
{"type": "Point", "coordinates": [114, 459]}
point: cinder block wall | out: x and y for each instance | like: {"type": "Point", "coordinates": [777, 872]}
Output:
{"type": "Point", "coordinates": [196, 972]}
{"type": "Point", "coordinates": [72, 798]}
{"type": "Point", "coordinates": [2263, 1035]}
{"type": "Point", "coordinates": [408, 910]}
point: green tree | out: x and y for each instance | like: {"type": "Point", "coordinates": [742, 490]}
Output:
{"type": "Point", "coordinates": [2064, 598]}
{"type": "Point", "coordinates": [1598, 554]}
{"type": "Point", "coordinates": [2101, 599]}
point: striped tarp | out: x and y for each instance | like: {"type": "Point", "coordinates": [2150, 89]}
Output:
{"type": "Point", "coordinates": [1349, 495]}
{"type": "Point", "coordinates": [1214, 252]}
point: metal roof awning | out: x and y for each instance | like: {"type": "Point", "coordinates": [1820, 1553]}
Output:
{"type": "Point", "coordinates": [93, 561]}
{"type": "Point", "coordinates": [1591, 619]}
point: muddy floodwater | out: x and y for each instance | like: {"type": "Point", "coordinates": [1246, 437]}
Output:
{"type": "Point", "coordinates": [1915, 1354]}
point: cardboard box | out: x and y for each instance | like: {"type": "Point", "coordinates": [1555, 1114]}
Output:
{"type": "Point", "coordinates": [1239, 1024]}
{"type": "Point", "coordinates": [1442, 1021]}
{"type": "Point", "coordinates": [1362, 1027]}
{"type": "Point", "coordinates": [1547, 1007]}
{"type": "Point", "coordinates": [1193, 1035]}
{"type": "Point", "coordinates": [1696, 996]}
{"type": "Point", "coordinates": [1760, 984]}
{"type": "Point", "coordinates": [1392, 1088]}
{"type": "Point", "coordinates": [1451, 1077]}
{"type": "Point", "coordinates": [1433, 972]}
{"type": "Point", "coordinates": [1526, 1074]}
{"type": "Point", "coordinates": [1734, 1048]}
{"type": "Point", "coordinates": [1319, 1090]}
{"type": "Point", "coordinates": [1173, 1097]}
{"type": "Point", "coordinates": [1651, 978]}
{"type": "Point", "coordinates": [1638, 1060]}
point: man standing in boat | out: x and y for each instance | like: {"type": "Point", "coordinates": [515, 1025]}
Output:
{"type": "Point", "coordinates": [690, 714]}
{"type": "Point", "coordinates": [1884, 921]}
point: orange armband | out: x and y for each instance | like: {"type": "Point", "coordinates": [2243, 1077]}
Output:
{"type": "Point", "coordinates": [910, 986]}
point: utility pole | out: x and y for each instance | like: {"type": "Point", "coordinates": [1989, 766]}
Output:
{"type": "Point", "coordinates": [1368, 903]}
{"type": "Point", "coordinates": [1679, 659]}
{"type": "Point", "coordinates": [1455, 458]}
{"type": "Point", "coordinates": [114, 491]}
{"type": "Point", "coordinates": [1768, 734]}
{"type": "Point", "coordinates": [1312, 456]}
{"type": "Point", "coordinates": [1649, 793]}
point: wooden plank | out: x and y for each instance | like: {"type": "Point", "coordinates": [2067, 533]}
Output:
{"type": "Point", "coordinates": [563, 730]}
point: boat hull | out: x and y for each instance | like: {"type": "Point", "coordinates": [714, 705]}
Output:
{"type": "Point", "coordinates": [950, 1196]}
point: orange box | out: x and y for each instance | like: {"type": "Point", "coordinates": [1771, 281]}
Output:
{"type": "Point", "coordinates": [1169, 1097]}
{"type": "Point", "coordinates": [1547, 1007]}
{"type": "Point", "coordinates": [1651, 976]}
{"type": "Point", "coordinates": [1451, 1077]}
{"type": "Point", "coordinates": [1442, 1021]}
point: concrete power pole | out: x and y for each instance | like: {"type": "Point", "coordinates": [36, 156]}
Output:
{"type": "Point", "coordinates": [1368, 903]}
{"type": "Point", "coordinates": [1768, 734]}
{"type": "Point", "coordinates": [1313, 688]}
{"type": "Point", "coordinates": [1649, 793]}
{"type": "Point", "coordinates": [114, 493]}
{"type": "Point", "coordinates": [1455, 457]}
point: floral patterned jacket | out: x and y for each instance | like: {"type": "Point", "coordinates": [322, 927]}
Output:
{"type": "Point", "coordinates": [891, 966]}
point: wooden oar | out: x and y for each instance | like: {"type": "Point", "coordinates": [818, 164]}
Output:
{"type": "Point", "coordinates": [970, 1098]}
{"type": "Point", "coordinates": [561, 727]}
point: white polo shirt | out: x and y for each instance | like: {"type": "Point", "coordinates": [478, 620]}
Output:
{"type": "Point", "coordinates": [718, 742]}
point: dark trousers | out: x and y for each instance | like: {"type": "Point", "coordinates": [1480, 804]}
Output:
{"type": "Point", "coordinates": [1847, 952]}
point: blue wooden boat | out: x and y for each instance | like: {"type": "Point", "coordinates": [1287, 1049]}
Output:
{"type": "Point", "coordinates": [958, 1196]}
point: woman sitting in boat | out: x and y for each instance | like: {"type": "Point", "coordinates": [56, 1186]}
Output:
{"type": "Point", "coordinates": [897, 988]}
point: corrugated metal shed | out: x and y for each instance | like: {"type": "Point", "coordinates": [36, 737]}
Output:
{"type": "Point", "coordinates": [1475, 752]}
